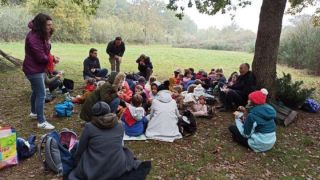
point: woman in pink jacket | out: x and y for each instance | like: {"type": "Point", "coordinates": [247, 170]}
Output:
{"type": "Point", "coordinates": [37, 50]}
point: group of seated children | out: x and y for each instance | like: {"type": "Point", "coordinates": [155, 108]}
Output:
{"type": "Point", "coordinates": [154, 109]}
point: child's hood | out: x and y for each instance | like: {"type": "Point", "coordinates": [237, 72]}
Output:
{"type": "Point", "coordinates": [265, 111]}
{"type": "Point", "coordinates": [164, 96]}
{"type": "Point", "coordinates": [136, 112]}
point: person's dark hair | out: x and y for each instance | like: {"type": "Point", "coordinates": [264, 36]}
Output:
{"type": "Point", "coordinates": [39, 24]}
{"type": "Point", "coordinates": [186, 72]}
{"type": "Point", "coordinates": [137, 100]}
{"type": "Point", "coordinates": [143, 56]}
{"type": "Point", "coordinates": [154, 84]}
{"type": "Point", "coordinates": [192, 70]}
{"type": "Point", "coordinates": [198, 81]}
{"type": "Point", "coordinates": [164, 86]}
{"type": "Point", "coordinates": [152, 79]}
{"type": "Point", "coordinates": [118, 38]}
{"type": "Point", "coordinates": [246, 64]}
{"type": "Point", "coordinates": [92, 50]}
{"type": "Point", "coordinates": [235, 72]}
{"type": "Point", "coordinates": [142, 80]}
{"type": "Point", "coordinates": [191, 88]}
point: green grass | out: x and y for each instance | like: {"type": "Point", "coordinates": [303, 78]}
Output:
{"type": "Point", "coordinates": [209, 154]}
{"type": "Point", "coordinates": [164, 58]}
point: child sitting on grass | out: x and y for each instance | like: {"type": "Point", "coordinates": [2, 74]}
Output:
{"type": "Point", "coordinates": [176, 95]}
{"type": "Point", "coordinates": [139, 90]}
{"type": "Point", "coordinates": [152, 80]}
{"type": "Point", "coordinates": [200, 108]}
{"type": "Point", "coordinates": [187, 79]}
{"type": "Point", "coordinates": [153, 92]}
{"type": "Point", "coordinates": [90, 87]}
{"type": "Point", "coordinates": [125, 93]}
{"type": "Point", "coordinates": [134, 118]}
{"type": "Point", "coordinates": [257, 130]}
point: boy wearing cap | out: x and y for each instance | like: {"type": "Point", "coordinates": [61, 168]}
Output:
{"type": "Point", "coordinates": [258, 130]}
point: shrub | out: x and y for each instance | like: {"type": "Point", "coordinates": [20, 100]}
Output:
{"type": "Point", "coordinates": [14, 23]}
{"type": "Point", "coordinates": [291, 93]}
{"type": "Point", "coordinates": [70, 22]}
{"type": "Point", "coordinates": [299, 47]}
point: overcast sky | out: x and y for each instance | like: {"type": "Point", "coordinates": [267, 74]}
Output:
{"type": "Point", "coordinates": [247, 18]}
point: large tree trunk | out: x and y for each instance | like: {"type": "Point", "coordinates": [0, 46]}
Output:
{"type": "Point", "coordinates": [264, 64]}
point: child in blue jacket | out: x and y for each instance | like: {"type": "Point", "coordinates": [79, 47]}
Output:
{"type": "Point", "coordinates": [257, 131]}
{"type": "Point", "coordinates": [134, 118]}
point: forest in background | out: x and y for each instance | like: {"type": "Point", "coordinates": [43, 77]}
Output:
{"type": "Point", "coordinates": [150, 22]}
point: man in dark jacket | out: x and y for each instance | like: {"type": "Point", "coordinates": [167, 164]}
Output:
{"type": "Point", "coordinates": [145, 66]}
{"type": "Point", "coordinates": [91, 66]}
{"type": "Point", "coordinates": [237, 94]}
{"type": "Point", "coordinates": [115, 50]}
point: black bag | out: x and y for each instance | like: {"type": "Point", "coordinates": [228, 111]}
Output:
{"type": "Point", "coordinates": [68, 84]}
{"type": "Point", "coordinates": [187, 124]}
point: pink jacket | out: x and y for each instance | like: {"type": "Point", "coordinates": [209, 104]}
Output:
{"type": "Point", "coordinates": [128, 94]}
{"type": "Point", "coordinates": [200, 110]}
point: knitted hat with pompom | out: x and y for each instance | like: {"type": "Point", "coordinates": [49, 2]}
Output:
{"type": "Point", "coordinates": [258, 97]}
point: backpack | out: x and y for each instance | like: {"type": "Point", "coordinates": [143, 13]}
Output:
{"type": "Point", "coordinates": [187, 124]}
{"type": "Point", "coordinates": [68, 84]}
{"type": "Point", "coordinates": [311, 105]}
{"type": "Point", "coordinates": [64, 109]}
{"type": "Point", "coordinates": [26, 148]}
{"type": "Point", "coordinates": [56, 151]}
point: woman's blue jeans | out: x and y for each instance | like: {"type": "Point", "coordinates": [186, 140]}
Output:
{"type": "Point", "coordinates": [38, 95]}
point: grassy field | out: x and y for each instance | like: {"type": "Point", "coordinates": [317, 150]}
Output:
{"type": "Point", "coordinates": [210, 154]}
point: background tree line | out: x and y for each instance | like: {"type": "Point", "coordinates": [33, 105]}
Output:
{"type": "Point", "coordinates": [148, 22]}
{"type": "Point", "coordinates": [137, 21]}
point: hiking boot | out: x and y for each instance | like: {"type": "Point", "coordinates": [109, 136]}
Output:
{"type": "Point", "coordinates": [33, 116]}
{"type": "Point", "coordinates": [45, 125]}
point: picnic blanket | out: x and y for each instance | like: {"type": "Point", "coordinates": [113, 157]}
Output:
{"type": "Point", "coordinates": [142, 137]}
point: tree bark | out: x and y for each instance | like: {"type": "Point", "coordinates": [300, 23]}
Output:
{"type": "Point", "coordinates": [17, 62]}
{"type": "Point", "coordinates": [264, 64]}
{"type": "Point", "coordinates": [317, 71]}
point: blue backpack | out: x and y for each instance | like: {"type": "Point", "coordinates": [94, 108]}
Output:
{"type": "Point", "coordinates": [56, 151]}
{"type": "Point", "coordinates": [26, 148]}
{"type": "Point", "coordinates": [64, 109]}
{"type": "Point", "coordinates": [311, 105]}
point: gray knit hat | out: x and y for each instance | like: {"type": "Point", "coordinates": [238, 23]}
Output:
{"type": "Point", "coordinates": [100, 108]}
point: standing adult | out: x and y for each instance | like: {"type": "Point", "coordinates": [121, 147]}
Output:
{"type": "Point", "coordinates": [145, 66]}
{"type": "Point", "coordinates": [91, 66]}
{"type": "Point", "coordinates": [115, 50]}
{"type": "Point", "coordinates": [37, 49]}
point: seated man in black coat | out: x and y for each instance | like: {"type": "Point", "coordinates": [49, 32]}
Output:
{"type": "Point", "coordinates": [91, 67]}
{"type": "Point", "coordinates": [237, 94]}
{"type": "Point", "coordinates": [145, 66]}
